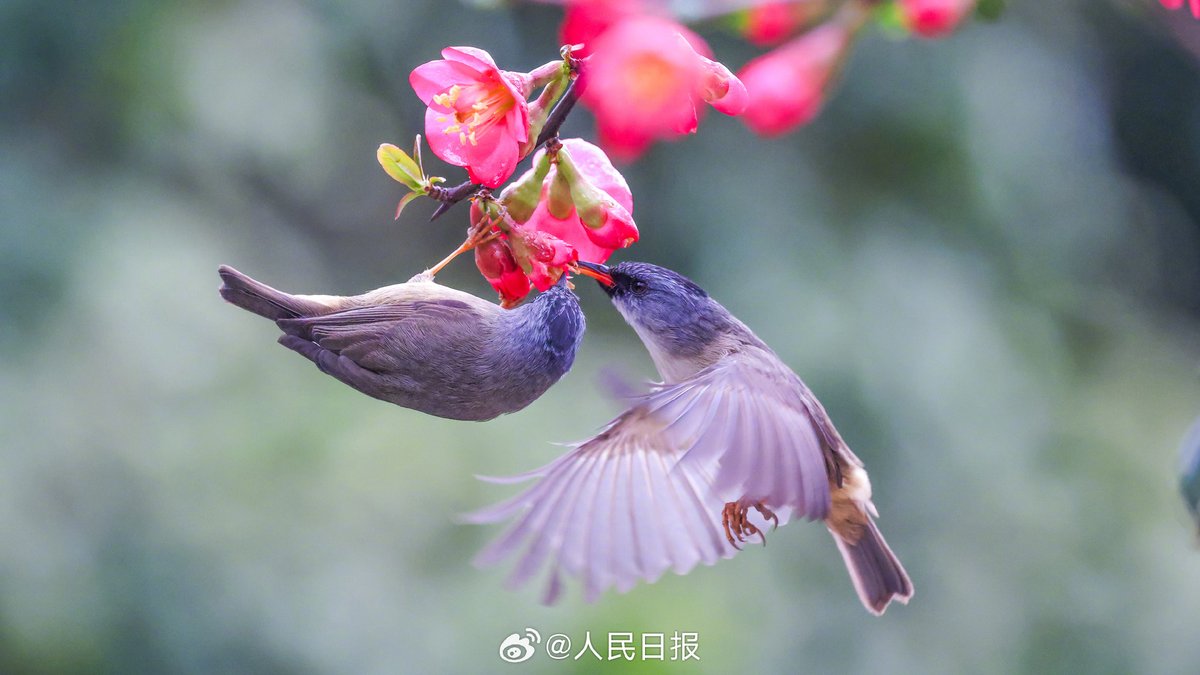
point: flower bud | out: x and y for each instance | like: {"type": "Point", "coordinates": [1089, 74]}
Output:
{"type": "Point", "coordinates": [934, 18]}
{"type": "Point", "coordinates": [773, 22]}
{"type": "Point", "coordinates": [495, 261]}
{"type": "Point", "coordinates": [787, 86]}
{"type": "Point", "coordinates": [607, 222]}
{"type": "Point", "coordinates": [559, 200]}
{"type": "Point", "coordinates": [721, 89]}
{"type": "Point", "coordinates": [539, 110]}
{"type": "Point", "coordinates": [521, 197]}
{"type": "Point", "coordinates": [485, 214]}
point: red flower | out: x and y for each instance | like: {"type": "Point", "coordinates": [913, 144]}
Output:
{"type": "Point", "coordinates": [643, 81]}
{"type": "Point", "coordinates": [616, 231]}
{"type": "Point", "coordinates": [934, 18]}
{"type": "Point", "coordinates": [787, 86]}
{"type": "Point", "coordinates": [495, 261]}
{"type": "Point", "coordinates": [477, 116]}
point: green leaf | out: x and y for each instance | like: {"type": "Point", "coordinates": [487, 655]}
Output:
{"type": "Point", "coordinates": [400, 166]}
{"type": "Point", "coordinates": [404, 201]}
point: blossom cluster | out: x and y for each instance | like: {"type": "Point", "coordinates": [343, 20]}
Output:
{"type": "Point", "coordinates": [646, 77]}
{"type": "Point", "coordinates": [572, 204]}
{"type": "Point", "coordinates": [778, 91]}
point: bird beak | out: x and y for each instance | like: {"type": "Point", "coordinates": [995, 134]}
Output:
{"type": "Point", "coordinates": [596, 271]}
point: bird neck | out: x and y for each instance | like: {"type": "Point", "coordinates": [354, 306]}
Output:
{"type": "Point", "coordinates": [553, 320]}
{"type": "Point", "coordinates": [693, 337]}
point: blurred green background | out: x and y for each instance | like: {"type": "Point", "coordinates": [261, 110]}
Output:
{"type": "Point", "coordinates": [984, 257]}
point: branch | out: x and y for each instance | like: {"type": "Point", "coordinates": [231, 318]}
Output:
{"type": "Point", "coordinates": [559, 114]}
{"type": "Point", "coordinates": [451, 196]}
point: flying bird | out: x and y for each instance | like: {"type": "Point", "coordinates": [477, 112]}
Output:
{"type": "Point", "coordinates": [425, 346]}
{"type": "Point", "coordinates": [730, 440]}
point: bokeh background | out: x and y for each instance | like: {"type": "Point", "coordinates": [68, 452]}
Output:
{"type": "Point", "coordinates": [984, 257]}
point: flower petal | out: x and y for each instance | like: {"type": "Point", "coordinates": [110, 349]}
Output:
{"type": "Point", "coordinates": [430, 79]}
{"type": "Point", "coordinates": [445, 144]}
{"type": "Point", "coordinates": [471, 56]}
{"type": "Point", "coordinates": [625, 145]}
{"type": "Point", "coordinates": [494, 159]}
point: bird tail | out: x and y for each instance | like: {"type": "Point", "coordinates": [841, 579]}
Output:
{"type": "Point", "coordinates": [261, 299]}
{"type": "Point", "coordinates": [877, 574]}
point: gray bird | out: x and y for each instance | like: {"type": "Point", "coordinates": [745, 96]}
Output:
{"type": "Point", "coordinates": [424, 346]}
{"type": "Point", "coordinates": [730, 440]}
{"type": "Point", "coordinates": [1189, 473]}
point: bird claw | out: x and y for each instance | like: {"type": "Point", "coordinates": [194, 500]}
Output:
{"type": "Point", "coordinates": [767, 514]}
{"type": "Point", "coordinates": [733, 519]}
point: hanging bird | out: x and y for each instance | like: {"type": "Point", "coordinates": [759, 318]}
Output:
{"type": "Point", "coordinates": [730, 440]}
{"type": "Point", "coordinates": [424, 346]}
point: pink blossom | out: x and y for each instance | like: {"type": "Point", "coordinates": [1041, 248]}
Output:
{"type": "Point", "coordinates": [542, 256]}
{"type": "Point", "coordinates": [477, 116]}
{"type": "Point", "coordinates": [643, 81]}
{"type": "Point", "coordinates": [618, 231]}
{"type": "Point", "coordinates": [934, 18]}
{"type": "Point", "coordinates": [787, 86]}
{"type": "Point", "coordinates": [773, 22]}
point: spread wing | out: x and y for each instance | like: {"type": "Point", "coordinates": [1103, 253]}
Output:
{"type": "Point", "coordinates": [383, 338]}
{"type": "Point", "coordinates": [646, 493]}
{"type": "Point", "coordinates": [770, 439]}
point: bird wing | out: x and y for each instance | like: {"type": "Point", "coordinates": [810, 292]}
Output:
{"type": "Point", "coordinates": [384, 337]}
{"type": "Point", "coordinates": [646, 493]}
{"type": "Point", "coordinates": [770, 439]}
{"type": "Point", "coordinates": [614, 510]}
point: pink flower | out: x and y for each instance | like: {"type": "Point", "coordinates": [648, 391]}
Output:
{"type": "Point", "coordinates": [618, 229]}
{"type": "Point", "coordinates": [1176, 4]}
{"type": "Point", "coordinates": [786, 87]}
{"type": "Point", "coordinates": [773, 22]}
{"type": "Point", "coordinates": [495, 261]}
{"type": "Point", "coordinates": [477, 116]}
{"type": "Point", "coordinates": [585, 20]}
{"type": "Point", "coordinates": [541, 255]}
{"type": "Point", "coordinates": [934, 18]}
{"type": "Point", "coordinates": [643, 80]}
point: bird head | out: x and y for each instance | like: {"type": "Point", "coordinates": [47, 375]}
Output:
{"type": "Point", "coordinates": [673, 316]}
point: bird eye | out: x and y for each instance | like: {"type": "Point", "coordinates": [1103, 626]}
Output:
{"type": "Point", "coordinates": [638, 286]}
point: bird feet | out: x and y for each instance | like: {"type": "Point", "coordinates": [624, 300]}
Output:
{"type": "Point", "coordinates": [736, 524]}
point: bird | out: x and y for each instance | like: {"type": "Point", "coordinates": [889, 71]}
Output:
{"type": "Point", "coordinates": [730, 440]}
{"type": "Point", "coordinates": [1189, 472]}
{"type": "Point", "coordinates": [425, 346]}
